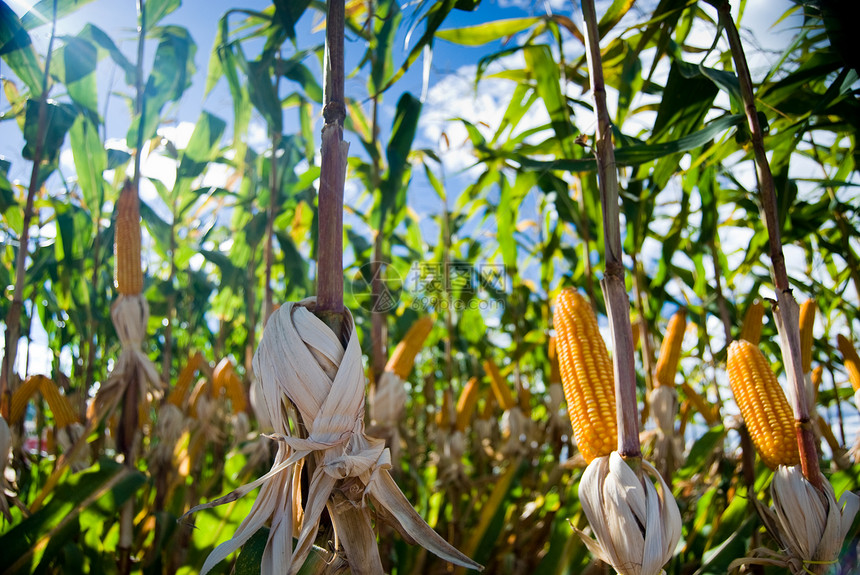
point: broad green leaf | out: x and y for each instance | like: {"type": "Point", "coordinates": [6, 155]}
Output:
{"type": "Point", "coordinates": [90, 163]}
{"type": "Point", "coordinates": [487, 32]}
{"type": "Point", "coordinates": [17, 51]}
{"type": "Point", "coordinates": [58, 119]}
{"type": "Point", "coordinates": [613, 15]}
{"type": "Point", "coordinates": [288, 13]}
{"type": "Point", "coordinates": [74, 65]}
{"type": "Point", "coordinates": [156, 10]}
{"type": "Point", "coordinates": [543, 69]}
{"type": "Point", "coordinates": [110, 482]}
{"type": "Point", "coordinates": [262, 93]}
{"type": "Point", "coordinates": [202, 147]}
{"type": "Point", "coordinates": [632, 155]}
{"type": "Point", "coordinates": [392, 189]}
{"type": "Point", "coordinates": [42, 12]}
{"type": "Point", "coordinates": [170, 77]}
{"type": "Point", "coordinates": [434, 18]}
{"type": "Point", "coordinates": [98, 37]}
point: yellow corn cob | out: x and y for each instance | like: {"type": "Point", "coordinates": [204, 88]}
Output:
{"type": "Point", "coordinates": [128, 275]}
{"type": "Point", "coordinates": [700, 404]}
{"type": "Point", "coordinates": [64, 413]}
{"type": "Point", "coordinates": [554, 373]}
{"type": "Point", "coordinates": [500, 386]}
{"type": "Point", "coordinates": [636, 334]}
{"type": "Point", "coordinates": [443, 416]}
{"type": "Point", "coordinates": [196, 393]}
{"type": "Point", "coordinates": [235, 391]}
{"type": "Point", "coordinates": [763, 405]}
{"type": "Point", "coordinates": [670, 351]}
{"type": "Point", "coordinates": [404, 354]}
{"type": "Point", "coordinates": [587, 376]}
{"type": "Point", "coordinates": [220, 376]}
{"type": "Point", "coordinates": [816, 378]}
{"type": "Point", "coordinates": [807, 320]}
{"type": "Point", "coordinates": [751, 328]}
{"type": "Point", "coordinates": [22, 397]}
{"type": "Point", "coordinates": [466, 403]}
{"type": "Point", "coordinates": [226, 382]}
{"type": "Point", "coordinates": [183, 382]}
{"type": "Point", "coordinates": [850, 360]}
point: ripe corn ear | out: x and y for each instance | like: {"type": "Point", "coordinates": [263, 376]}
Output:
{"type": "Point", "coordinates": [587, 376]}
{"type": "Point", "coordinates": [751, 328]}
{"type": "Point", "coordinates": [64, 413]}
{"type": "Point", "coordinates": [807, 321]}
{"type": "Point", "coordinates": [466, 403]}
{"type": "Point", "coordinates": [701, 405]}
{"type": "Point", "coordinates": [22, 397]}
{"type": "Point", "coordinates": [670, 351]}
{"type": "Point", "coordinates": [443, 416]}
{"type": "Point", "coordinates": [850, 360]}
{"type": "Point", "coordinates": [763, 405]}
{"type": "Point", "coordinates": [183, 382]}
{"type": "Point", "coordinates": [500, 386]}
{"type": "Point", "coordinates": [404, 354]}
{"type": "Point", "coordinates": [128, 273]}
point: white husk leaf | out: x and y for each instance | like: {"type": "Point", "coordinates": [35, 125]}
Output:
{"type": "Point", "coordinates": [300, 361]}
{"type": "Point", "coordinates": [168, 429]}
{"type": "Point", "coordinates": [664, 405]}
{"type": "Point", "coordinates": [130, 314]}
{"type": "Point", "coordinates": [387, 400]}
{"type": "Point", "coordinates": [516, 429]}
{"type": "Point", "coordinates": [617, 502]}
{"type": "Point", "coordinates": [811, 524]}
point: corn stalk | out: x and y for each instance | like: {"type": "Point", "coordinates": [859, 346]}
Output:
{"type": "Point", "coordinates": [332, 175]}
{"type": "Point", "coordinates": [788, 315]}
{"type": "Point", "coordinates": [13, 316]}
{"type": "Point", "coordinates": [614, 291]}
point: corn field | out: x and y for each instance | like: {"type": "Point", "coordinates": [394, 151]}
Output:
{"type": "Point", "coordinates": [430, 287]}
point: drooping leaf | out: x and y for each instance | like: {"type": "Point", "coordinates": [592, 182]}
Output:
{"type": "Point", "coordinates": [486, 32]}
{"type": "Point", "coordinates": [41, 12]}
{"type": "Point", "coordinates": [16, 49]}
{"type": "Point", "coordinates": [158, 9]}
{"type": "Point", "coordinates": [59, 117]}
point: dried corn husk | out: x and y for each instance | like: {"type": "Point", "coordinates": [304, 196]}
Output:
{"type": "Point", "coordinates": [517, 432]}
{"type": "Point", "coordinates": [809, 524]}
{"type": "Point", "coordinates": [667, 446]}
{"type": "Point", "coordinates": [301, 362]}
{"type": "Point", "coordinates": [636, 525]}
{"type": "Point", "coordinates": [168, 430]}
{"type": "Point", "coordinates": [387, 400]}
{"type": "Point", "coordinates": [133, 371]}
{"type": "Point", "coordinates": [67, 437]}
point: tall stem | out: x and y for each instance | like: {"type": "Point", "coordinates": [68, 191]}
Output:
{"type": "Point", "coordinates": [268, 302]}
{"type": "Point", "coordinates": [614, 290]}
{"type": "Point", "coordinates": [332, 176]}
{"type": "Point", "coordinates": [13, 316]}
{"type": "Point", "coordinates": [788, 315]}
